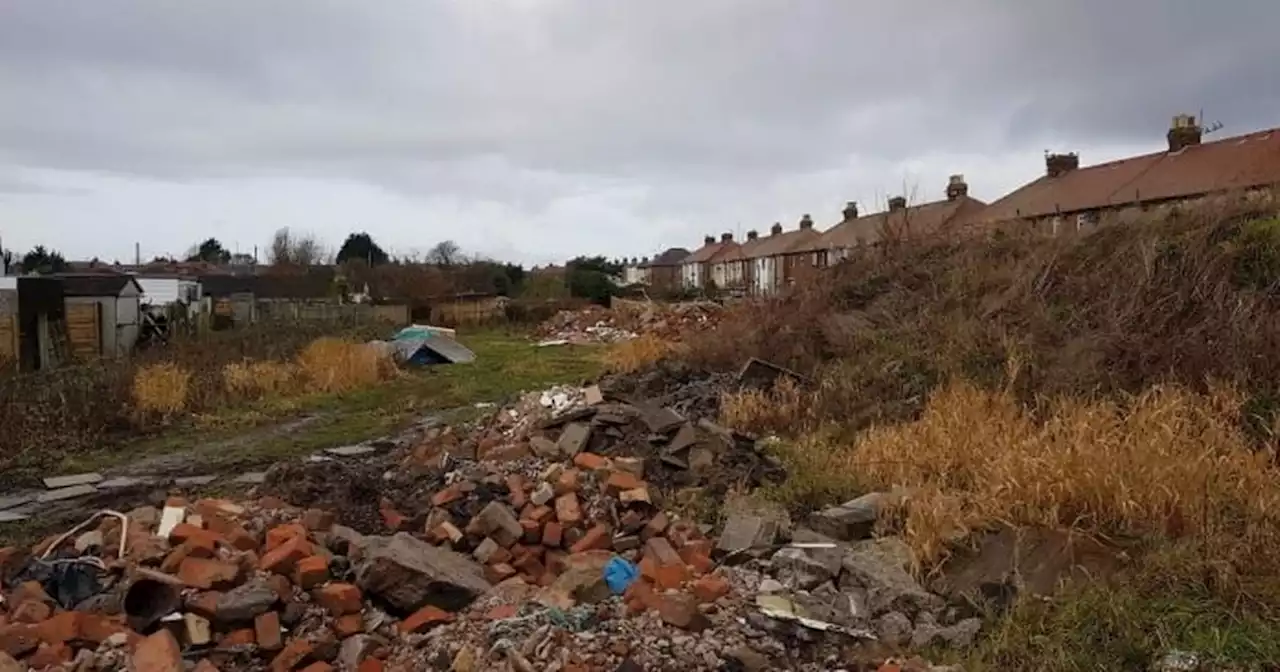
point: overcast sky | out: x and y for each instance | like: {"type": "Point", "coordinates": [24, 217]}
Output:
{"type": "Point", "coordinates": [536, 130]}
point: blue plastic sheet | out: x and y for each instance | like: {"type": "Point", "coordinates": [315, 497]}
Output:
{"type": "Point", "coordinates": [619, 574]}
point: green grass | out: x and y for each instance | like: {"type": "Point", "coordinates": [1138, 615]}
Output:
{"type": "Point", "coordinates": [1125, 628]}
{"type": "Point", "coordinates": [507, 363]}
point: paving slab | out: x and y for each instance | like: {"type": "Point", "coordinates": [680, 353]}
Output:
{"type": "Point", "coordinates": [122, 482]}
{"type": "Point", "coordinates": [351, 451]}
{"type": "Point", "coordinates": [252, 477]}
{"type": "Point", "coordinates": [66, 493]}
{"type": "Point", "coordinates": [58, 482]}
{"type": "Point", "coordinates": [11, 517]}
{"type": "Point", "coordinates": [14, 501]}
{"type": "Point", "coordinates": [189, 481]}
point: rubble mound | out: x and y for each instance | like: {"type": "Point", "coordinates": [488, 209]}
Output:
{"type": "Point", "coordinates": [626, 319]}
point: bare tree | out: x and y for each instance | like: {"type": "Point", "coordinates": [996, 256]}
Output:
{"type": "Point", "coordinates": [446, 253]}
{"type": "Point", "coordinates": [290, 248]}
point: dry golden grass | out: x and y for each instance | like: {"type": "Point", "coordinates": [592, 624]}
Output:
{"type": "Point", "coordinates": [257, 379]}
{"type": "Point", "coordinates": [639, 353]}
{"type": "Point", "coordinates": [161, 389]}
{"type": "Point", "coordinates": [337, 365]}
{"type": "Point", "coordinates": [1168, 464]}
{"type": "Point", "coordinates": [784, 407]}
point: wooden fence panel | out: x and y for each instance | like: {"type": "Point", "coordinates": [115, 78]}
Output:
{"type": "Point", "coordinates": [8, 339]}
{"type": "Point", "coordinates": [84, 330]}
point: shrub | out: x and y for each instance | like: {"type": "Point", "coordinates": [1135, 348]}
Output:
{"type": "Point", "coordinates": [638, 353]}
{"type": "Point", "coordinates": [257, 379]}
{"type": "Point", "coordinates": [161, 389]}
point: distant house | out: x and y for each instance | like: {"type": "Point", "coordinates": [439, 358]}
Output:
{"type": "Point", "coordinates": [632, 274]}
{"type": "Point", "coordinates": [1070, 198]}
{"type": "Point", "coordinates": [161, 290]}
{"type": "Point", "coordinates": [716, 272]}
{"type": "Point", "coordinates": [693, 269]}
{"type": "Point", "coordinates": [774, 260]}
{"type": "Point", "coordinates": [898, 221]}
{"type": "Point", "coordinates": [103, 312]}
{"type": "Point", "coordinates": [733, 269]}
{"type": "Point", "coordinates": [662, 273]}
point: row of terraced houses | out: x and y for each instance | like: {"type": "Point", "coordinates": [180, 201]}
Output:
{"type": "Point", "coordinates": [1066, 198]}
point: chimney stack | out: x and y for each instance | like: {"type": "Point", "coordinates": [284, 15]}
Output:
{"type": "Point", "coordinates": [1184, 132]}
{"type": "Point", "coordinates": [897, 203]}
{"type": "Point", "coordinates": [1060, 164]}
{"type": "Point", "coordinates": [752, 235]}
{"type": "Point", "coordinates": [726, 237]}
{"type": "Point", "coordinates": [709, 240]}
{"type": "Point", "coordinates": [956, 187]}
{"type": "Point", "coordinates": [850, 211]}
{"type": "Point", "coordinates": [776, 229]}
{"type": "Point", "coordinates": [806, 223]}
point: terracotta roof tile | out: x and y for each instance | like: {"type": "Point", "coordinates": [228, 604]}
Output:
{"type": "Point", "coordinates": [703, 254]}
{"type": "Point", "coordinates": [783, 243]}
{"type": "Point", "coordinates": [924, 218]}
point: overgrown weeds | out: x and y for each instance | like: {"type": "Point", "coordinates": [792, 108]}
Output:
{"type": "Point", "coordinates": [161, 389]}
{"type": "Point", "coordinates": [339, 365]}
{"type": "Point", "coordinates": [639, 353]}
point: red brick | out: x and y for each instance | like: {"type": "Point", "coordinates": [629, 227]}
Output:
{"type": "Point", "coordinates": [424, 618]}
{"type": "Point", "coordinates": [19, 639]}
{"type": "Point", "coordinates": [278, 535]}
{"type": "Point", "coordinates": [49, 655]}
{"type": "Point", "coordinates": [370, 665]}
{"type": "Point", "coordinates": [516, 485]}
{"type": "Point", "coordinates": [590, 461]}
{"type": "Point", "coordinates": [567, 510]}
{"type": "Point", "coordinates": [682, 532]}
{"type": "Point", "coordinates": [446, 531]}
{"type": "Point", "coordinates": [266, 630]}
{"type": "Point", "coordinates": [540, 514]}
{"type": "Point", "coordinates": [294, 653]}
{"type": "Point", "coordinates": [698, 557]}
{"type": "Point", "coordinates": [567, 482]}
{"type": "Point", "coordinates": [597, 538]}
{"type": "Point", "coordinates": [317, 520]}
{"type": "Point", "coordinates": [339, 598]}
{"type": "Point", "coordinates": [447, 496]}
{"type": "Point", "coordinates": [241, 540]}
{"type": "Point", "coordinates": [348, 625]}
{"type": "Point", "coordinates": [499, 572]}
{"type": "Point", "coordinates": [318, 666]}
{"type": "Point", "coordinates": [671, 577]}
{"type": "Point", "coordinates": [500, 556]}
{"type": "Point", "coordinates": [31, 611]}
{"type": "Point", "coordinates": [500, 612]}
{"type": "Point", "coordinates": [97, 628]}
{"type": "Point", "coordinates": [240, 637]}
{"type": "Point", "coordinates": [553, 535]}
{"type": "Point", "coordinates": [532, 567]}
{"type": "Point", "coordinates": [30, 590]}
{"type": "Point", "coordinates": [185, 532]}
{"type": "Point", "coordinates": [285, 557]}
{"type": "Point", "coordinates": [391, 517]}
{"type": "Point", "coordinates": [63, 626]}
{"type": "Point", "coordinates": [206, 573]}
{"type": "Point", "coordinates": [158, 653]}
{"type": "Point", "coordinates": [311, 572]}
{"type": "Point", "coordinates": [556, 562]}
{"type": "Point", "coordinates": [204, 604]}
{"type": "Point", "coordinates": [532, 531]}
{"type": "Point", "coordinates": [710, 588]}
{"type": "Point", "coordinates": [205, 665]}
{"type": "Point", "coordinates": [621, 480]}
{"type": "Point", "coordinates": [280, 586]}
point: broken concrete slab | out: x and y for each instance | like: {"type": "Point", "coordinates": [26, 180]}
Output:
{"type": "Point", "coordinates": [757, 373]}
{"type": "Point", "coordinates": [574, 438]}
{"type": "Point", "coordinates": [744, 532]}
{"type": "Point", "coordinates": [686, 437]}
{"type": "Point", "coordinates": [661, 420]}
{"type": "Point", "coordinates": [14, 501]}
{"type": "Point", "coordinates": [881, 570]}
{"type": "Point", "coordinates": [252, 478]}
{"type": "Point", "coordinates": [12, 516]}
{"type": "Point", "coordinates": [66, 493]}
{"type": "Point", "coordinates": [852, 521]}
{"type": "Point", "coordinates": [410, 573]}
{"type": "Point", "coordinates": [593, 396]}
{"type": "Point", "coordinates": [122, 482]}
{"type": "Point", "coordinates": [447, 349]}
{"type": "Point", "coordinates": [194, 481]}
{"type": "Point", "coordinates": [351, 451]}
{"type": "Point", "coordinates": [170, 518]}
{"type": "Point", "coordinates": [60, 482]}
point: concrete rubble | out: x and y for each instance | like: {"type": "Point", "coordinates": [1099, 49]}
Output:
{"type": "Point", "coordinates": [626, 320]}
{"type": "Point", "coordinates": [546, 537]}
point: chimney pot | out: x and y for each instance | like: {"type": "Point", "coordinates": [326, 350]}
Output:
{"type": "Point", "coordinates": [752, 234]}
{"type": "Point", "coordinates": [850, 211]}
{"type": "Point", "coordinates": [776, 229]}
{"type": "Point", "coordinates": [956, 187]}
{"type": "Point", "coordinates": [806, 222]}
{"type": "Point", "coordinates": [726, 237]}
{"type": "Point", "coordinates": [897, 203]}
{"type": "Point", "coordinates": [709, 240]}
{"type": "Point", "coordinates": [1060, 164]}
{"type": "Point", "coordinates": [1184, 132]}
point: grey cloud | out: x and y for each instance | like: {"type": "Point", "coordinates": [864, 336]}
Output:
{"type": "Point", "coordinates": [695, 110]}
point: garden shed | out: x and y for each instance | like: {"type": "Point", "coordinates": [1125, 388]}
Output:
{"type": "Point", "coordinates": [102, 313]}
